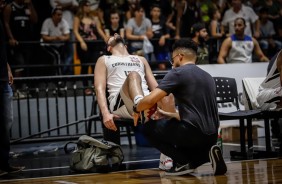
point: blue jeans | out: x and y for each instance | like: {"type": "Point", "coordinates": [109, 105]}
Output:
{"type": "Point", "coordinates": [68, 56]}
{"type": "Point", "coordinates": [6, 119]}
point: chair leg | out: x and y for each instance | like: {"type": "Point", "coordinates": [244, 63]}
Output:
{"type": "Point", "coordinates": [250, 138]}
{"type": "Point", "coordinates": [267, 135]}
{"type": "Point", "coordinates": [242, 136]}
{"type": "Point", "coordinates": [128, 132]}
{"type": "Point", "coordinates": [242, 154]}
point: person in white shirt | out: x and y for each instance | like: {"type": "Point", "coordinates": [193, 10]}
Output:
{"type": "Point", "coordinates": [69, 8]}
{"type": "Point", "coordinates": [240, 10]}
{"type": "Point", "coordinates": [55, 31]}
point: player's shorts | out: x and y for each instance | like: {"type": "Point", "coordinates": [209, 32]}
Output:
{"type": "Point", "coordinates": [122, 106]}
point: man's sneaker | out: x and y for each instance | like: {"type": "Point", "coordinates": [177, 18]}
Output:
{"type": "Point", "coordinates": [178, 170]}
{"type": "Point", "coordinates": [165, 163]}
{"type": "Point", "coordinates": [217, 161]}
{"type": "Point", "coordinates": [2, 173]}
{"type": "Point", "coordinates": [13, 169]}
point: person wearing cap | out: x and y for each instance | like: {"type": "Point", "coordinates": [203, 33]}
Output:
{"type": "Point", "coordinates": [200, 36]}
{"type": "Point", "coordinates": [239, 48]}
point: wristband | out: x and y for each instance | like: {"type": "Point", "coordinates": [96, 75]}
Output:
{"type": "Point", "coordinates": [135, 109]}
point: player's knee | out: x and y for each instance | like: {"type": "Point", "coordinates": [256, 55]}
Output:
{"type": "Point", "coordinates": [134, 75]}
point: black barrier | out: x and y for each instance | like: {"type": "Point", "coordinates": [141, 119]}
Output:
{"type": "Point", "coordinates": [50, 111]}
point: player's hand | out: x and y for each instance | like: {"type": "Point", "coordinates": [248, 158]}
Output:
{"type": "Point", "coordinates": [108, 121]}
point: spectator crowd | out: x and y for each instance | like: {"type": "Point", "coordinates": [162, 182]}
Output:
{"type": "Point", "coordinates": [68, 28]}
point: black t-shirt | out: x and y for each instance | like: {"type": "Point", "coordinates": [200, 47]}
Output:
{"type": "Point", "coordinates": [3, 55]}
{"type": "Point", "coordinates": [159, 29]}
{"type": "Point", "coordinates": [195, 94]}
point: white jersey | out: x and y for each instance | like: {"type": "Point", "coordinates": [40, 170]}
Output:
{"type": "Point", "coordinates": [241, 50]}
{"type": "Point", "coordinates": [118, 68]}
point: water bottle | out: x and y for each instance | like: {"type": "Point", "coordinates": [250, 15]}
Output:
{"type": "Point", "coordinates": [219, 139]}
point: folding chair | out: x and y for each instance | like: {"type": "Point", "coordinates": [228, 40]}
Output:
{"type": "Point", "coordinates": [250, 91]}
{"type": "Point", "coordinates": [226, 92]}
{"type": "Point", "coordinates": [111, 135]}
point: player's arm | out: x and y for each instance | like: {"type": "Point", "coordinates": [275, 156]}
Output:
{"type": "Point", "coordinates": [224, 50]}
{"type": "Point", "coordinates": [149, 76]}
{"type": "Point", "coordinates": [259, 52]}
{"type": "Point", "coordinates": [100, 82]}
{"type": "Point", "coordinates": [151, 99]}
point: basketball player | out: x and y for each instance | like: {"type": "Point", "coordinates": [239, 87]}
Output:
{"type": "Point", "coordinates": [270, 91]}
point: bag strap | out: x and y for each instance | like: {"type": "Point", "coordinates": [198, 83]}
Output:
{"type": "Point", "coordinates": [94, 142]}
{"type": "Point", "coordinates": [66, 147]}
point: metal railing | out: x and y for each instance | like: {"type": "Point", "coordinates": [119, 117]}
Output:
{"type": "Point", "coordinates": [55, 108]}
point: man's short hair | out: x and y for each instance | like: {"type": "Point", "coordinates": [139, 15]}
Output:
{"type": "Point", "coordinates": [197, 27]}
{"type": "Point", "coordinates": [240, 18]}
{"type": "Point", "coordinates": [57, 8]}
{"type": "Point", "coordinates": [185, 44]}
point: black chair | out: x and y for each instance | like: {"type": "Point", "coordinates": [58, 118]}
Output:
{"type": "Point", "coordinates": [226, 90]}
{"type": "Point", "coordinates": [109, 135]}
{"type": "Point", "coordinates": [266, 116]}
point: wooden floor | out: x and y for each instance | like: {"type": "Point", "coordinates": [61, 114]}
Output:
{"type": "Point", "coordinates": [254, 171]}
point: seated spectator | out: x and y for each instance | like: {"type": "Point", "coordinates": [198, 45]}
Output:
{"type": "Point", "coordinates": [69, 8]}
{"type": "Point", "coordinates": [160, 31]}
{"type": "Point", "coordinates": [239, 47]}
{"type": "Point", "coordinates": [200, 36]}
{"type": "Point", "coordinates": [88, 30]}
{"type": "Point", "coordinates": [114, 26]}
{"type": "Point", "coordinates": [55, 31]}
{"type": "Point", "coordinates": [240, 10]}
{"type": "Point", "coordinates": [273, 10]}
{"type": "Point", "coordinates": [138, 28]}
{"type": "Point", "coordinates": [163, 4]}
{"type": "Point", "coordinates": [105, 7]}
{"type": "Point", "coordinates": [268, 44]}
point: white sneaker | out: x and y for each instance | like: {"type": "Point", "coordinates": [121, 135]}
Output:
{"type": "Point", "coordinates": [166, 162]}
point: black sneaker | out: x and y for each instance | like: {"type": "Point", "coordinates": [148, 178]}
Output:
{"type": "Point", "coordinates": [14, 169]}
{"type": "Point", "coordinates": [2, 173]}
{"type": "Point", "coordinates": [178, 170]}
{"type": "Point", "coordinates": [217, 161]}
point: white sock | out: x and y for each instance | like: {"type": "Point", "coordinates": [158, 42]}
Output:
{"type": "Point", "coordinates": [137, 98]}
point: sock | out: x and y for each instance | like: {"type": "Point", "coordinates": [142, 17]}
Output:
{"type": "Point", "coordinates": [137, 98]}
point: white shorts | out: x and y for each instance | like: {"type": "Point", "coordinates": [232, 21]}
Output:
{"type": "Point", "coordinates": [122, 106]}
{"type": "Point", "coordinates": [268, 98]}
